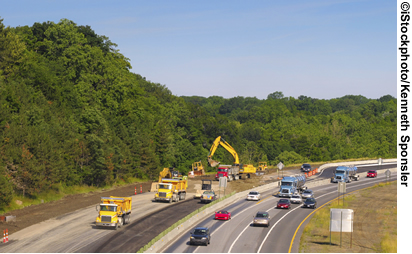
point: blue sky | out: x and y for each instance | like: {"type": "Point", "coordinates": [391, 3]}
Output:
{"type": "Point", "coordinates": [322, 49]}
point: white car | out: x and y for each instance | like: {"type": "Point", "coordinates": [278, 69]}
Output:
{"type": "Point", "coordinates": [296, 199]}
{"type": "Point", "coordinates": [253, 195]}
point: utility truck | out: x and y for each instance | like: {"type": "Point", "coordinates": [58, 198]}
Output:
{"type": "Point", "coordinates": [170, 190]}
{"type": "Point", "coordinates": [114, 211]}
{"type": "Point", "coordinates": [292, 185]}
{"type": "Point", "coordinates": [345, 174]}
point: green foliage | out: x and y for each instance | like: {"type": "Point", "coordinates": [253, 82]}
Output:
{"type": "Point", "coordinates": [72, 113]}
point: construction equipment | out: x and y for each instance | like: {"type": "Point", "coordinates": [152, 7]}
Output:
{"type": "Point", "coordinates": [170, 173]}
{"type": "Point", "coordinates": [198, 169]}
{"type": "Point", "coordinates": [220, 141]}
{"type": "Point", "coordinates": [233, 172]}
{"type": "Point", "coordinates": [206, 185]}
{"type": "Point", "coordinates": [114, 211]}
{"type": "Point", "coordinates": [170, 189]}
{"type": "Point", "coordinates": [263, 165]}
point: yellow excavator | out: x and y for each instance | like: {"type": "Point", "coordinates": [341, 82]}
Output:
{"type": "Point", "coordinates": [234, 172]}
{"type": "Point", "coordinates": [220, 141]}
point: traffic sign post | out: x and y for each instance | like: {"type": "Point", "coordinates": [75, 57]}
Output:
{"type": "Point", "coordinates": [341, 189]}
{"type": "Point", "coordinates": [388, 175]}
{"type": "Point", "coordinates": [280, 167]}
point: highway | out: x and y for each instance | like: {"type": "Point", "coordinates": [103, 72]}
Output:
{"type": "Point", "coordinates": [239, 236]}
{"type": "Point", "coordinates": [75, 231]}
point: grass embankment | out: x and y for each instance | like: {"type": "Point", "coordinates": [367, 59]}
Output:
{"type": "Point", "coordinates": [375, 223]}
{"type": "Point", "coordinates": [57, 192]}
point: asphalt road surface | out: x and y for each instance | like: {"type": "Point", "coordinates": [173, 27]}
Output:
{"type": "Point", "coordinates": [239, 236]}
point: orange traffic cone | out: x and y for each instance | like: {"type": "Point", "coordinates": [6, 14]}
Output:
{"type": "Point", "coordinates": [135, 192]}
{"type": "Point", "coordinates": [4, 236]}
{"type": "Point", "coordinates": [141, 189]}
{"type": "Point", "coordinates": [7, 235]}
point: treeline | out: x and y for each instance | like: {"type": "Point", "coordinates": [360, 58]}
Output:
{"type": "Point", "coordinates": [73, 113]}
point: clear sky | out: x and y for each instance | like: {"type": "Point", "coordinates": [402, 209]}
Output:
{"type": "Point", "coordinates": [322, 48]}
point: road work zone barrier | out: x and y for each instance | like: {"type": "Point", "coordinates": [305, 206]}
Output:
{"type": "Point", "coordinates": [5, 236]}
{"type": "Point", "coordinates": [311, 173]}
{"type": "Point", "coordinates": [135, 190]}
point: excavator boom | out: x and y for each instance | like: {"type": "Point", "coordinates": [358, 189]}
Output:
{"type": "Point", "coordinates": [220, 141]}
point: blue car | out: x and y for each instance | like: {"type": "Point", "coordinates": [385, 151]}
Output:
{"type": "Point", "coordinates": [200, 235]}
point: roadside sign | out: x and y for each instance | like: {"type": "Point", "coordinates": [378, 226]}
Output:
{"type": "Point", "coordinates": [341, 220]}
{"type": "Point", "coordinates": [280, 165]}
{"type": "Point", "coordinates": [341, 187]}
{"type": "Point", "coordinates": [223, 182]}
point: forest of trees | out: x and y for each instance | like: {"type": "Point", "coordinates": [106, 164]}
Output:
{"type": "Point", "coordinates": [73, 112]}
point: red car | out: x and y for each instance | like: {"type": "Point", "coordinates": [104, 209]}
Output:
{"type": "Point", "coordinates": [283, 203]}
{"type": "Point", "coordinates": [372, 173]}
{"type": "Point", "coordinates": [223, 215]}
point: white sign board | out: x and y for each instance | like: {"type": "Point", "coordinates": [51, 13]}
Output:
{"type": "Point", "coordinates": [341, 220]}
{"type": "Point", "coordinates": [342, 187]}
{"type": "Point", "coordinates": [280, 165]}
{"type": "Point", "coordinates": [223, 182]}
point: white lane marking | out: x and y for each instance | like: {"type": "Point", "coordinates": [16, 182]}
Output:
{"type": "Point", "coordinates": [264, 240]}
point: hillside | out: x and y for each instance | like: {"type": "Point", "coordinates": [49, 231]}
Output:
{"type": "Point", "coordinates": [74, 113]}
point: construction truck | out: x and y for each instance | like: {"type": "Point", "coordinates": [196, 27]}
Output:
{"type": "Point", "coordinates": [166, 173]}
{"type": "Point", "coordinates": [171, 190]}
{"type": "Point", "coordinates": [345, 174]}
{"type": "Point", "coordinates": [114, 211]}
{"type": "Point", "coordinates": [290, 185]}
{"type": "Point", "coordinates": [197, 168]}
{"type": "Point", "coordinates": [233, 172]}
{"type": "Point", "coordinates": [206, 185]}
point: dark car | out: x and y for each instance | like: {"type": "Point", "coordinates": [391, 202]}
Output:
{"type": "Point", "coordinates": [372, 173]}
{"type": "Point", "coordinates": [200, 235]}
{"type": "Point", "coordinates": [310, 203]}
{"type": "Point", "coordinates": [283, 203]}
{"type": "Point", "coordinates": [305, 167]}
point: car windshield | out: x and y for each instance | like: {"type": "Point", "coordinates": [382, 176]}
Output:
{"type": "Point", "coordinates": [283, 201]}
{"type": "Point", "coordinates": [371, 171]}
{"type": "Point", "coordinates": [340, 171]}
{"type": "Point", "coordinates": [306, 165]}
{"type": "Point", "coordinates": [253, 193]}
{"type": "Point", "coordinates": [295, 196]}
{"type": "Point", "coordinates": [310, 200]}
{"type": "Point", "coordinates": [286, 183]}
{"type": "Point", "coordinates": [307, 192]}
{"type": "Point", "coordinates": [222, 212]}
{"type": "Point", "coordinates": [262, 215]}
{"type": "Point", "coordinates": [200, 232]}
{"type": "Point", "coordinates": [209, 193]}
{"type": "Point", "coordinates": [109, 208]}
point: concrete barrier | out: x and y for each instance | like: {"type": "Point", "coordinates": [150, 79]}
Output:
{"type": "Point", "coordinates": [191, 222]}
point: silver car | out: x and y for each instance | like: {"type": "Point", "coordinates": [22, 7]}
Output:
{"type": "Point", "coordinates": [253, 195]}
{"type": "Point", "coordinates": [261, 219]}
{"type": "Point", "coordinates": [307, 194]}
{"type": "Point", "coordinates": [296, 199]}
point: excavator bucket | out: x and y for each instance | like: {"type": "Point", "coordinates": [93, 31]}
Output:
{"type": "Point", "coordinates": [212, 163]}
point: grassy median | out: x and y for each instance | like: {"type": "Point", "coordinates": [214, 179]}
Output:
{"type": "Point", "coordinates": [375, 223]}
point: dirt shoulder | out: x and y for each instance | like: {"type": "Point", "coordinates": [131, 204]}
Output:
{"type": "Point", "coordinates": [375, 211]}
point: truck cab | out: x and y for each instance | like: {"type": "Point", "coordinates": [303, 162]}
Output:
{"type": "Point", "coordinates": [340, 175]}
{"type": "Point", "coordinates": [222, 171]}
{"type": "Point", "coordinates": [113, 211]}
{"type": "Point", "coordinates": [287, 187]}
{"type": "Point", "coordinates": [171, 190]}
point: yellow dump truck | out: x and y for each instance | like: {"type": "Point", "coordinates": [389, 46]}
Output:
{"type": "Point", "coordinates": [170, 190]}
{"type": "Point", "coordinates": [114, 211]}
